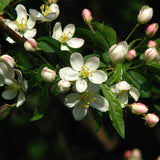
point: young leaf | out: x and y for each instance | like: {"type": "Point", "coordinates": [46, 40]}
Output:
{"type": "Point", "coordinates": [115, 110]}
{"type": "Point", "coordinates": [3, 4]}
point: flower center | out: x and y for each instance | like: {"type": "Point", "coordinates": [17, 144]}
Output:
{"type": "Point", "coordinates": [22, 26]}
{"type": "Point", "coordinates": [65, 37]}
{"type": "Point", "coordinates": [45, 9]}
{"type": "Point", "coordinates": [85, 97]}
{"type": "Point", "coordinates": [85, 72]}
{"type": "Point", "coordinates": [14, 87]}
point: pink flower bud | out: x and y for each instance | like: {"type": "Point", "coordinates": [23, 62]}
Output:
{"type": "Point", "coordinates": [152, 44]}
{"type": "Point", "coordinates": [8, 59]}
{"type": "Point", "coordinates": [64, 85]}
{"type": "Point", "coordinates": [127, 154]}
{"type": "Point", "coordinates": [30, 45]}
{"type": "Point", "coordinates": [131, 54]}
{"type": "Point", "coordinates": [145, 14]}
{"type": "Point", "coordinates": [151, 54]}
{"type": "Point", "coordinates": [87, 15]}
{"type": "Point", "coordinates": [4, 111]}
{"type": "Point", "coordinates": [48, 75]}
{"type": "Point", "coordinates": [117, 52]}
{"type": "Point", "coordinates": [139, 108]}
{"type": "Point", "coordinates": [151, 119]}
{"type": "Point", "coordinates": [152, 29]}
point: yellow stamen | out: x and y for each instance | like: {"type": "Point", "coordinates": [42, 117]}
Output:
{"type": "Point", "coordinates": [22, 26]}
{"type": "Point", "coordinates": [45, 9]}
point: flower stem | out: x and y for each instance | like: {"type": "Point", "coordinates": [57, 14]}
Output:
{"type": "Point", "coordinates": [137, 25]}
{"type": "Point", "coordinates": [141, 42]}
{"type": "Point", "coordinates": [91, 28]}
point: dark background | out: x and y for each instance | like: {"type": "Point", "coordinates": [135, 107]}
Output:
{"type": "Point", "coordinates": [57, 136]}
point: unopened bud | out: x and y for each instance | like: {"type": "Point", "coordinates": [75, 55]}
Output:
{"type": "Point", "coordinates": [4, 111]}
{"type": "Point", "coordinates": [52, 1]}
{"type": "Point", "coordinates": [151, 119]}
{"type": "Point", "coordinates": [131, 54]}
{"type": "Point", "coordinates": [127, 154]}
{"type": "Point", "coordinates": [152, 29]}
{"type": "Point", "coordinates": [152, 44]}
{"type": "Point", "coordinates": [158, 158]}
{"type": "Point", "coordinates": [48, 75]}
{"type": "Point", "coordinates": [8, 59]}
{"type": "Point", "coordinates": [30, 45]}
{"type": "Point", "coordinates": [87, 15]}
{"type": "Point", "coordinates": [151, 54]}
{"type": "Point", "coordinates": [64, 85]}
{"type": "Point", "coordinates": [145, 14]}
{"type": "Point", "coordinates": [136, 154]}
{"type": "Point", "coordinates": [117, 52]}
{"type": "Point", "coordinates": [139, 108]}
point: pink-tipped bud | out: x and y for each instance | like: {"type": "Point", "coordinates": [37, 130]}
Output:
{"type": "Point", "coordinates": [52, 1]}
{"type": "Point", "coordinates": [117, 52]}
{"type": "Point", "coordinates": [136, 154]}
{"type": "Point", "coordinates": [48, 75]}
{"type": "Point", "coordinates": [139, 108]}
{"type": "Point", "coordinates": [145, 14]}
{"type": "Point", "coordinates": [30, 45]}
{"type": "Point", "coordinates": [127, 154]}
{"type": "Point", "coordinates": [151, 119]}
{"type": "Point", "coordinates": [4, 111]}
{"type": "Point", "coordinates": [151, 54]}
{"type": "Point", "coordinates": [131, 54]}
{"type": "Point", "coordinates": [152, 44]}
{"type": "Point", "coordinates": [8, 59]}
{"type": "Point", "coordinates": [87, 15]}
{"type": "Point", "coordinates": [64, 85]}
{"type": "Point", "coordinates": [152, 29]}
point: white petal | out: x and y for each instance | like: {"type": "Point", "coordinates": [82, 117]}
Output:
{"type": "Point", "coordinates": [50, 17]}
{"type": "Point", "coordinates": [68, 74]}
{"type": "Point", "coordinates": [57, 31]}
{"type": "Point", "coordinates": [100, 103]}
{"type": "Point", "coordinates": [21, 99]}
{"type": "Point", "coordinates": [64, 48]}
{"type": "Point", "coordinates": [123, 98]}
{"type": "Point", "coordinates": [92, 63]}
{"type": "Point", "coordinates": [98, 77]}
{"type": "Point", "coordinates": [69, 30]}
{"type": "Point", "coordinates": [31, 22]}
{"type": "Point", "coordinates": [79, 113]}
{"type": "Point", "coordinates": [93, 87]}
{"type": "Point", "coordinates": [10, 40]}
{"type": "Point", "coordinates": [19, 75]}
{"type": "Point", "coordinates": [134, 93]}
{"type": "Point", "coordinates": [9, 94]}
{"type": "Point", "coordinates": [75, 42]}
{"type": "Point", "coordinates": [1, 80]}
{"type": "Point", "coordinates": [11, 24]}
{"type": "Point", "coordinates": [36, 14]}
{"type": "Point", "coordinates": [71, 100]}
{"type": "Point", "coordinates": [113, 88]}
{"type": "Point", "coordinates": [30, 33]}
{"type": "Point", "coordinates": [76, 61]}
{"type": "Point", "coordinates": [81, 85]}
{"type": "Point", "coordinates": [21, 13]}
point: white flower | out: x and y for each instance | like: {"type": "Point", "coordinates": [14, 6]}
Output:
{"type": "Point", "coordinates": [82, 101]}
{"type": "Point", "coordinates": [49, 13]}
{"type": "Point", "coordinates": [22, 25]}
{"type": "Point", "coordinates": [80, 71]}
{"type": "Point", "coordinates": [122, 90]}
{"type": "Point", "coordinates": [65, 36]}
{"type": "Point", "coordinates": [16, 87]}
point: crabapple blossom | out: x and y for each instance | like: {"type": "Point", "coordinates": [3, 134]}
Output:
{"type": "Point", "coordinates": [145, 14]}
{"type": "Point", "coordinates": [118, 52]}
{"type": "Point", "coordinates": [8, 59]}
{"type": "Point", "coordinates": [65, 37]}
{"type": "Point", "coordinates": [139, 108]}
{"type": "Point", "coordinates": [152, 44]}
{"type": "Point", "coordinates": [48, 75]}
{"type": "Point", "coordinates": [151, 54]}
{"type": "Point", "coordinates": [152, 29]}
{"type": "Point", "coordinates": [131, 54]}
{"type": "Point", "coordinates": [80, 102]}
{"type": "Point", "coordinates": [22, 26]}
{"type": "Point", "coordinates": [64, 85]}
{"type": "Point", "coordinates": [81, 71]}
{"type": "Point", "coordinates": [151, 119]}
{"type": "Point", "coordinates": [87, 15]}
{"type": "Point", "coordinates": [30, 45]}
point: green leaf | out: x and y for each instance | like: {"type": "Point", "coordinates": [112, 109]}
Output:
{"type": "Point", "coordinates": [157, 107]}
{"type": "Point", "coordinates": [3, 4]}
{"type": "Point", "coordinates": [108, 32]}
{"type": "Point", "coordinates": [154, 67]}
{"type": "Point", "coordinates": [117, 75]}
{"type": "Point", "coordinates": [37, 116]}
{"type": "Point", "coordinates": [138, 81]}
{"type": "Point", "coordinates": [132, 44]}
{"type": "Point", "coordinates": [95, 41]}
{"type": "Point", "coordinates": [115, 110]}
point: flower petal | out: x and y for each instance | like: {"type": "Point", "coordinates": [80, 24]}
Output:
{"type": "Point", "coordinates": [30, 33]}
{"type": "Point", "coordinates": [31, 22]}
{"type": "Point", "coordinates": [75, 42]}
{"type": "Point", "coordinates": [123, 98]}
{"type": "Point", "coordinates": [100, 103]}
{"type": "Point", "coordinates": [68, 74]}
{"type": "Point", "coordinates": [134, 93]}
{"type": "Point", "coordinates": [9, 94]}
{"type": "Point", "coordinates": [79, 113]}
{"type": "Point", "coordinates": [81, 85]}
{"type": "Point", "coordinates": [21, 99]}
{"type": "Point", "coordinates": [71, 100]}
{"type": "Point", "coordinates": [57, 31]}
{"type": "Point", "coordinates": [69, 30]}
{"type": "Point", "coordinates": [98, 77]}
{"type": "Point", "coordinates": [92, 63]}
{"type": "Point", "coordinates": [76, 61]}
{"type": "Point", "coordinates": [11, 24]}
{"type": "Point", "coordinates": [21, 13]}
{"type": "Point", "coordinates": [64, 47]}
{"type": "Point", "coordinates": [1, 80]}
{"type": "Point", "coordinates": [93, 87]}
{"type": "Point", "coordinates": [36, 14]}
